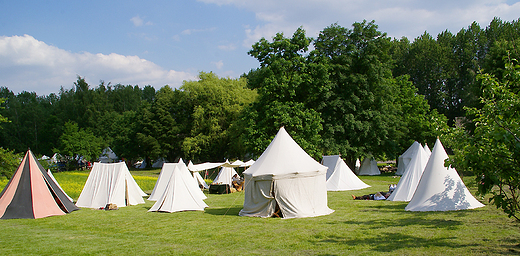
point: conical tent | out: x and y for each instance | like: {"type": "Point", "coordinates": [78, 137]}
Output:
{"type": "Point", "coordinates": [108, 156]}
{"type": "Point", "coordinates": [339, 176]}
{"type": "Point", "coordinates": [52, 177]}
{"type": "Point", "coordinates": [285, 177]}
{"type": "Point", "coordinates": [410, 179]}
{"type": "Point", "coordinates": [164, 177]}
{"type": "Point", "coordinates": [404, 159]}
{"type": "Point", "coordinates": [369, 167]}
{"type": "Point", "coordinates": [110, 184]}
{"type": "Point", "coordinates": [440, 187]}
{"type": "Point", "coordinates": [180, 194]}
{"type": "Point", "coordinates": [225, 176]}
{"type": "Point", "coordinates": [427, 150]}
{"type": "Point", "coordinates": [31, 193]}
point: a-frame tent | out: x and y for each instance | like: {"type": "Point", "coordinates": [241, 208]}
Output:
{"type": "Point", "coordinates": [440, 187]}
{"type": "Point", "coordinates": [110, 183]}
{"type": "Point", "coordinates": [164, 177]}
{"type": "Point", "coordinates": [414, 169]}
{"type": "Point", "coordinates": [285, 177]}
{"type": "Point", "coordinates": [196, 175]}
{"type": "Point", "coordinates": [339, 176]}
{"type": "Point", "coordinates": [404, 159]}
{"type": "Point", "coordinates": [225, 176]}
{"type": "Point", "coordinates": [32, 194]}
{"type": "Point", "coordinates": [369, 167]}
{"type": "Point", "coordinates": [180, 194]}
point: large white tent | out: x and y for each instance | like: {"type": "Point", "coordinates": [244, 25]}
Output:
{"type": "Point", "coordinates": [180, 194]}
{"type": "Point", "coordinates": [339, 176]}
{"type": "Point", "coordinates": [164, 178]}
{"type": "Point", "coordinates": [414, 169]}
{"type": "Point", "coordinates": [110, 183]}
{"type": "Point", "coordinates": [225, 176]}
{"type": "Point", "coordinates": [440, 187]}
{"type": "Point", "coordinates": [285, 177]}
{"type": "Point", "coordinates": [369, 167]}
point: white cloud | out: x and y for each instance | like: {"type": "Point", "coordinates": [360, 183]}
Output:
{"type": "Point", "coordinates": [27, 64]}
{"type": "Point", "coordinates": [193, 31]}
{"type": "Point", "coordinates": [227, 47]}
{"type": "Point", "coordinates": [219, 64]}
{"type": "Point", "coordinates": [138, 21]}
{"type": "Point", "coordinates": [398, 18]}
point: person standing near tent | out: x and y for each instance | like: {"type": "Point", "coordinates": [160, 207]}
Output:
{"type": "Point", "coordinates": [237, 182]}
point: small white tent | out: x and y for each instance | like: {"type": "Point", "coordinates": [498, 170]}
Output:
{"type": "Point", "coordinates": [225, 176]}
{"type": "Point", "coordinates": [159, 162]}
{"type": "Point", "coordinates": [339, 176]}
{"type": "Point", "coordinates": [369, 167]}
{"type": "Point", "coordinates": [164, 177]}
{"type": "Point", "coordinates": [412, 174]}
{"type": "Point", "coordinates": [180, 194]}
{"type": "Point", "coordinates": [108, 156]}
{"type": "Point", "coordinates": [110, 183]}
{"type": "Point", "coordinates": [440, 187]}
{"type": "Point", "coordinates": [285, 177]}
{"type": "Point", "coordinates": [196, 175]}
{"type": "Point", "coordinates": [427, 149]}
{"type": "Point", "coordinates": [404, 159]}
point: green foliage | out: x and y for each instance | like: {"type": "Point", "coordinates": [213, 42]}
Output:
{"type": "Point", "coordinates": [9, 161]}
{"type": "Point", "coordinates": [77, 142]}
{"type": "Point", "coordinates": [491, 148]}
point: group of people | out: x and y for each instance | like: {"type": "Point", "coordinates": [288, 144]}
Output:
{"type": "Point", "coordinates": [237, 183]}
{"type": "Point", "coordinates": [378, 195]}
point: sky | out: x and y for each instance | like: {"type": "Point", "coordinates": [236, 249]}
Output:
{"type": "Point", "coordinates": [46, 45]}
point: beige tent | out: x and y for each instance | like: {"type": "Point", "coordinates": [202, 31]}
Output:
{"type": "Point", "coordinates": [285, 177]}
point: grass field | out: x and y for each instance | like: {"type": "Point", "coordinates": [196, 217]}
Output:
{"type": "Point", "coordinates": [355, 228]}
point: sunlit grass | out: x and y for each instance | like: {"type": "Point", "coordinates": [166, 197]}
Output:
{"type": "Point", "coordinates": [356, 227]}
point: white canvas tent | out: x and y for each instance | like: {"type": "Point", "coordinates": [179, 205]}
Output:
{"type": "Point", "coordinates": [161, 184]}
{"type": "Point", "coordinates": [285, 177]}
{"type": "Point", "coordinates": [180, 193]}
{"type": "Point", "coordinates": [440, 187]}
{"type": "Point", "coordinates": [108, 156]}
{"type": "Point", "coordinates": [404, 159]}
{"type": "Point", "coordinates": [427, 149]}
{"type": "Point", "coordinates": [225, 176]}
{"type": "Point", "coordinates": [369, 167]}
{"type": "Point", "coordinates": [412, 174]}
{"type": "Point", "coordinates": [339, 176]}
{"type": "Point", "coordinates": [110, 183]}
{"type": "Point", "coordinates": [159, 162]}
{"type": "Point", "coordinates": [196, 175]}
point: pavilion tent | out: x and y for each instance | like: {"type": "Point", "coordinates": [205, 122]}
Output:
{"type": "Point", "coordinates": [248, 163]}
{"type": "Point", "coordinates": [225, 176]}
{"type": "Point", "coordinates": [339, 176]}
{"type": "Point", "coordinates": [404, 159]}
{"type": "Point", "coordinates": [369, 167]}
{"type": "Point", "coordinates": [180, 194]}
{"type": "Point", "coordinates": [55, 181]}
{"type": "Point", "coordinates": [410, 179]}
{"type": "Point", "coordinates": [440, 187]}
{"type": "Point", "coordinates": [31, 193]}
{"type": "Point", "coordinates": [285, 177]}
{"type": "Point", "coordinates": [110, 183]}
{"type": "Point", "coordinates": [161, 184]}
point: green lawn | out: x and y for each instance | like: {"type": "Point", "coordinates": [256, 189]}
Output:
{"type": "Point", "coordinates": [355, 228]}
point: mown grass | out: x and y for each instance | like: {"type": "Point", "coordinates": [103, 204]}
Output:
{"type": "Point", "coordinates": [355, 228]}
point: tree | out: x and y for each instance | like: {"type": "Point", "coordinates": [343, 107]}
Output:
{"type": "Point", "coordinates": [76, 143]}
{"type": "Point", "coordinates": [358, 111]}
{"type": "Point", "coordinates": [491, 147]}
{"type": "Point", "coordinates": [8, 159]}
{"type": "Point", "coordinates": [287, 83]}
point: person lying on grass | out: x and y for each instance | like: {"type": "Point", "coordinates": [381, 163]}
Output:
{"type": "Point", "coordinates": [376, 196]}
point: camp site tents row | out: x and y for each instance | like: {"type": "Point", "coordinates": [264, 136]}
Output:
{"type": "Point", "coordinates": [285, 181]}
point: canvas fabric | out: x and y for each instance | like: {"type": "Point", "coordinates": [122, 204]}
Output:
{"type": "Point", "coordinates": [339, 176]}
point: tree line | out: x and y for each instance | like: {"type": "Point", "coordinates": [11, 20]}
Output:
{"type": "Point", "coordinates": [350, 91]}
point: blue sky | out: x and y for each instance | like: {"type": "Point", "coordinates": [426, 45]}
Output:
{"type": "Point", "coordinates": [44, 45]}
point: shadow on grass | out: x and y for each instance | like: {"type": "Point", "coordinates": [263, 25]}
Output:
{"type": "Point", "coordinates": [231, 211]}
{"type": "Point", "coordinates": [388, 242]}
